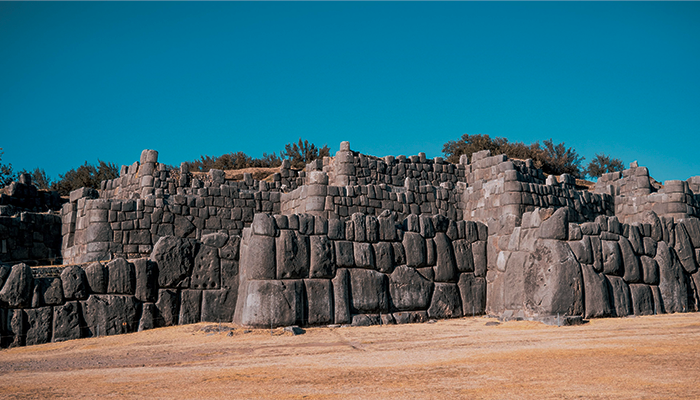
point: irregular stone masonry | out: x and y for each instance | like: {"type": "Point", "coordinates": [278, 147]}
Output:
{"type": "Point", "coordinates": [30, 237]}
{"type": "Point", "coordinates": [361, 240]}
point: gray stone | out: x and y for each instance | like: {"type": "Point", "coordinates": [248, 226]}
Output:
{"type": "Point", "coordinates": [445, 302]}
{"type": "Point", "coordinates": [384, 256]}
{"type": "Point", "coordinates": [658, 301]}
{"type": "Point", "coordinates": [399, 253]}
{"type": "Point", "coordinates": [107, 314]}
{"type": "Point", "coordinates": [306, 224]}
{"type": "Point", "coordinates": [122, 277]}
{"type": "Point", "coordinates": [582, 250]}
{"type": "Point", "coordinates": [13, 325]}
{"type": "Point", "coordinates": [635, 239]}
{"type": "Point", "coordinates": [271, 304]}
{"type": "Point", "coordinates": [684, 248]}
{"type": "Point", "coordinates": [336, 229]}
{"type": "Point", "coordinates": [364, 255]}
{"type": "Point", "coordinates": [590, 229]}
{"type": "Point", "coordinates": [344, 254]}
{"type": "Point", "coordinates": [649, 247]}
{"type": "Point", "coordinates": [168, 306]}
{"type": "Point", "coordinates": [341, 297]}
{"type": "Point", "coordinates": [430, 256]}
{"type": "Point", "coordinates": [18, 288]}
{"type": "Point", "coordinates": [98, 232]}
{"type": "Point", "coordinates": [650, 217]}
{"type": "Point", "coordinates": [217, 239]}
{"type": "Point", "coordinates": [264, 224]}
{"type": "Point", "coordinates": [479, 254]}
{"type": "Point", "coordinates": [692, 228]}
{"type": "Point", "coordinates": [175, 259]}
{"type": "Point", "coordinates": [219, 305]}
{"type": "Point", "coordinates": [633, 272]}
{"type": "Point", "coordinates": [74, 283]}
{"type": "Point", "coordinates": [67, 322]}
{"type": "Point", "coordinates": [183, 227]}
{"type": "Point", "coordinates": [149, 314]}
{"type": "Point", "coordinates": [472, 290]}
{"type": "Point", "coordinates": [575, 232]}
{"type": "Point", "coordinates": [372, 228]}
{"type": "Point", "coordinates": [387, 228]}
{"type": "Point", "coordinates": [190, 306]}
{"type": "Point", "coordinates": [621, 300]}
{"type": "Point", "coordinates": [471, 232]}
{"type": "Point", "coordinates": [322, 257]}
{"type": "Point", "coordinates": [319, 300]}
{"type": "Point", "coordinates": [410, 317]}
{"type": "Point", "coordinates": [612, 258]}
{"type": "Point", "coordinates": [446, 266]}
{"type": "Point", "coordinates": [39, 321]}
{"type": "Point", "coordinates": [463, 255]}
{"type": "Point", "coordinates": [426, 226]}
{"type": "Point", "coordinates": [146, 272]}
{"type": "Point", "coordinates": [409, 290]}
{"type": "Point", "coordinates": [97, 276]}
{"type": "Point", "coordinates": [558, 287]}
{"type": "Point", "coordinates": [358, 222]}
{"type": "Point", "coordinates": [674, 291]}
{"type": "Point", "coordinates": [642, 299]}
{"type": "Point", "coordinates": [416, 251]}
{"type": "Point", "coordinates": [229, 274]}
{"type": "Point", "coordinates": [292, 255]}
{"type": "Point", "coordinates": [206, 273]}
{"type": "Point", "coordinates": [230, 250]}
{"type": "Point", "coordinates": [365, 320]}
{"type": "Point", "coordinates": [650, 270]}
{"type": "Point", "coordinates": [596, 293]}
{"type": "Point", "coordinates": [368, 291]}
{"type": "Point", "coordinates": [556, 226]}
{"type": "Point", "coordinates": [49, 292]}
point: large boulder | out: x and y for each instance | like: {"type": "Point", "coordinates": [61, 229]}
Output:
{"type": "Point", "coordinates": [75, 285]}
{"type": "Point", "coordinates": [97, 276]}
{"type": "Point", "coordinates": [368, 291]}
{"type": "Point", "coordinates": [556, 226]}
{"type": "Point", "coordinates": [219, 305]}
{"type": "Point", "coordinates": [206, 273]}
{"type": "Point", "coordinates": [633, 273]}
{"type": "Point", "coordinates": [292, 255]}
{"type": "Point", "coordinates": [319, 300]}
{"type": "Point", "coordinates": [322, 257]}
{"type": "Point", "coordinates": [472, 290]}
{"type": "Point", "coordinates": [146, 280]}
{"type": "Point", "coordinates": [415, 249]}
{"type": "Point", "coordinates": [271, 303]}
{"type": "Point", "coordinates": [409, 290]}
{"type": "Point", "coordinates": [446, 301]}
{"type": "Point", "coordinates": [642, 299]}
{"type": "Point", "coordinates": [107, 314]}
{"type": "Point", "coordinates": [168, 306]}
{"type": "Point", "coordinates": [341, 296]}
{"type": "Point", "coordinates": [18, 288]}
{"type": "Point", "coordinates": [67, 322]}
{"type": "Point", "coordinates": [175, 258]}
{"type": "Point", "coordinates": [621, 300]}
{"type": "Point", "coordinates": [122, 277]}
{"type": "Point", "coordinates": [553, 282]}
{"type": "Point", "coordinates": [596, 292]}
{"type": "Point", "coordinates": [190, 306]}
{"type": "Point", "coordinates": [38, 325]}
{"type": "Point", "coordinates": [612, 258]}
{"type": "Point", "coordinates": [685, 250]}
{"type": "Point", "coordinates": [672, 285]}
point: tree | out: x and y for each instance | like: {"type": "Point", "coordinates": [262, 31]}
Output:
{"type": "Point", "coordinates": [85, 176]}
{"type": "Point", "coordinates": [39, 178]}
{"type": "Point", "coordinates": [561, 160]}
{"type": "Point", "coordinates": [303, 153]}
{"type": "Point", "coordinates": [602, 164]}
{"type": "Point", "coordinates": [552, 158]}
{"type": "Point", "coordinates": [6, 173]}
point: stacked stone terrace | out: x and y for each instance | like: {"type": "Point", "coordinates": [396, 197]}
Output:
{"type": "Point", "coordinates": [356, 239]}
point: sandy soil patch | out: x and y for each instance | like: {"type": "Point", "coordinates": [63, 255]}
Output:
{"type": "Point", "coordinates": [645, 357]}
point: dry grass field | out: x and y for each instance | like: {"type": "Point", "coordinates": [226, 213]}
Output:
{"type": "Point", "coordinates": [642, 358]}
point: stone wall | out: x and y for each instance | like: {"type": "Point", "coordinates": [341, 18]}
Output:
{"type": "Point", "coordinates": [307, 270]}
{"type": "Point", "coordinates": [183, 281]}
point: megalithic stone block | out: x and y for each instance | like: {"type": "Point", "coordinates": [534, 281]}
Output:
{"type": "Point", "coordinates": [596, 292]}
{"type": "Point", "coordinates": [272, 303]}
{"type": "Point", "coordinates": [19, 285]}
{"type": "Point", "coordinates": [292, 255]}
{"type": "Point", "coordinates": [341, 296]}
{"type": "Point", "coordinates": [409, 290]}
{"type": "Point", "coordinates": [368, 291]}
{"type": "Point", "coordinates": [319, 301]}
{"type": "Point", "coordinates": [175, 259]}
{"type": "Point", "coordinates": [446, 302]}
{"type": "Point", "coordinates": [472, 290]}
{"type": "Point", "coordinates": [219, 305]}
{"type": "Point", "coordinates": [672, 285]}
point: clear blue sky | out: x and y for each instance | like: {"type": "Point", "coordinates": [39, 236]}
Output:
{"type": "Point", "coordinates": [87, 81]}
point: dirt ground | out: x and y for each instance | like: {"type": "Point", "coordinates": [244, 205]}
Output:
{"type": "Point", "coordinates": [645, 357]}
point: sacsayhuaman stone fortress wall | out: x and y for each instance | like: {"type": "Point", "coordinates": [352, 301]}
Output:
{"type": "Point", "coordinates": [352, 239]}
